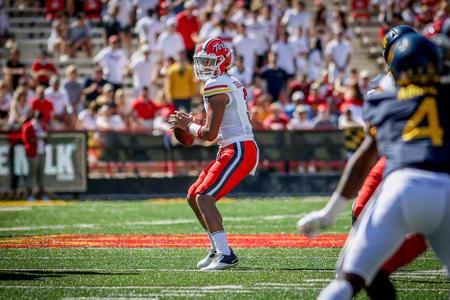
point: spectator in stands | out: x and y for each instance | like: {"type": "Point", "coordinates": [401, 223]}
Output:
{"type": "Point", "coordinates": [142, 68]}
{"type": "Point", "coordinates": [73, 88]}
{"type": "Point", "coordinates": [161, 123]}
{"type": "Point", "coordinates": [338, 52]}
{"type": "Point", "coordinates": [187, 26]}
{"type": "Point", "coordinates": [141, 7]}
{"type": "Point", "coordinates": [206, 26]}
{"type": "Point", "coordinates": [296, 99]}
{"type": "Point", "coordinates": [19, 110]}
{"type": "Point", "coordinates": [246, 47]}
{"type": "Point", "coordinates": [268, 21]}
{"type": "Point", "coordinates": [315, 60]}
{"type": "Point", "coordinates": [258, 30]}
{"type": "Point", "coordinates": [241, 72]}
{"type": "Point", "coordinates": [222, 31]}
{"type": "Point", "coordinates": [93, 85]}
{"type": "Point", "coordinates": [87, 118]}
{"type": "Point", "coordinates": [93, 9]}
{"type": "Point", "coordinates": [79, 37]}
{"type": "Point", "coordinates": [297, 16]}
{"type": "Point", "coordinates": [285, 54]}
{"type": "Point", "coordinates": [274, 77]}
{"type": "Point", "coordinates": [170, 42]}
{"type": "Point", "coordinates": [351, 96]}
{"type": "Point", "coordinates": [124, 17]}
{"type": "Point", "coordinates": [180, 84]}
{"type": "Point", "coordinates": [113, 61]}
{"type": "Point", "coordinates": [122, 108]}
{"type": "Point", "coordinates": [5, 103]}
{"type": "Point", "coordinates": [322, 19]}
{"type": "Point", "coordinates": [107, 95]}
{"type": "Point", "coordinates": [277, 119]}
{"type": "Point", "coordinates": [107, 118]}
{"type": "Point", "coordinates": [340, 24]}
{"type": "Point", "coordinates": [111, 24]}
{"type": "Point", "coordinates": [57, 41]}
{"type": "Point", "coordinates": [42, 69]}
{"type": "Point", "coordinates": [42, 105]}
{"type": "Point", "coordinates": [346, 120]}
{"type": "Point", "coordinates": [242, 14]}
{"type": "Point", "coordinates": [300, 83]}
{"type": "Point", "coordinates": [320, 90]}
{"type": "Point", "coordinates": [4, 26]}
{"type": "Point", "coordinates": [300, 47]}
{"type": "Point", "coordinates": [53, 8]}
{"type": "Point", "coordinates": [34, 139]}
{"type": "Point", "coordinates": [300, 121]}
{"type": "Point", "coordinates": [261, 107]}
{"type": "Point", "coordinates": [143, 110]}
{"type": "Point", "coordinates": [26, 83]}
{"type": "Point", "coordinates": [364, 82]}
{"type": "Point", "coordinates": [13, 70]}
{"type": "Point", "coordinates": [148, 28]}
{"type": "Point", "coordinates": [323, 119]}
{"type": "Point", "coordinates": [62, 109]}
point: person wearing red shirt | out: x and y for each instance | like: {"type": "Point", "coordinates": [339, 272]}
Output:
{"type": "Point", "coordinates": [42, 105]}
{"type": "Point", "coordinates": [53, 8]}
{"type": "Point", "coordinates": [144, 110]}
{"type": "Point", "coordinates": [277, 119]}
{"type": "Point", "coordinates": [92, 9]}
{"type": "Point", "coordinates": [34, 138]}
{"type": "Point", "coordinates": [187, 25]}
{"type": "Point", "coordinates": [42, 69]}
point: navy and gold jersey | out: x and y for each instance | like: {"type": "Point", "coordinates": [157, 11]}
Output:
{"type": "Point", "coordinates": [412, 127]}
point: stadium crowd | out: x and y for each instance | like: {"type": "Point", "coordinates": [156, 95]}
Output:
{"type": "Point", "coordinates": [294, 62]}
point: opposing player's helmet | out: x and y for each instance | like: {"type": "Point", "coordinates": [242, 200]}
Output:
{"type": "Point", "coordinates": [212, 58]}
{"type": "Point", "coordinates": [414, 59]}
{"type": "Point", "coordinates": [391, 36]}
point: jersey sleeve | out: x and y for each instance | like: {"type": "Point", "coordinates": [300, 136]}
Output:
{"type": "Point", "coordinates": [216, 86]}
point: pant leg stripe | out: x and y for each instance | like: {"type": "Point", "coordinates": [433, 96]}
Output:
{"type": "Point", "coordinates": [227, 174]}
{"type": "Point", "coordinates": [223, 171]}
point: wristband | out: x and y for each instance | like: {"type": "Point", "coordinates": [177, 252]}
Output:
{"type": "Point", "coordinates": [194, 129]}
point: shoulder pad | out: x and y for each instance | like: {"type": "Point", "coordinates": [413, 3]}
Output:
{"type": "Point", "coordinates": [217, 85]}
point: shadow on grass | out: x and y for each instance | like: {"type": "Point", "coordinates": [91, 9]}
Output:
{"type": "Point", "coordinates": [38, 274]}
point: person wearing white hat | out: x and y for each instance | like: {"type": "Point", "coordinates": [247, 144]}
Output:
{"type": "Point", "coordinates": [141, 65]}
{"type": "Point", "coordinates": [170, 42]}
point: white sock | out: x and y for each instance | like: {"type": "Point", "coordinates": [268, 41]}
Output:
{"type": "Point", "coordinates": [213, 247]}
{"type": "Point", "coordinates": [220, 240]}
{"type": "Point", "coordinates": [337, 290]}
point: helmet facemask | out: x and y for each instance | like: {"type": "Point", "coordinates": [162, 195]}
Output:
{"type": "Point", "coordinates": [206, 66]}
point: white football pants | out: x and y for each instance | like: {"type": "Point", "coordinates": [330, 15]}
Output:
{"type": "Point", "coordinates": [408, 201]}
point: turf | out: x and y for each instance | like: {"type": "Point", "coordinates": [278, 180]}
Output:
{"type": "Point", "coordinates": [272, 273]}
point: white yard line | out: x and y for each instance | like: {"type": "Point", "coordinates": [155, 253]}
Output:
{"type": "Point", "coordinates": [198, 289]}
{"type": "Point", "coordinates": [28, 228]}
{"type": "Point", "coordinates": [14, 208]}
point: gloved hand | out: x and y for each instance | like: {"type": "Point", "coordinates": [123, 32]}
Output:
{"type": "Point", "coordinates": [313, 222]}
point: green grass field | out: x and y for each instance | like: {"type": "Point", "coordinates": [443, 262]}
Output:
{"type": "Point", "coordinates": [167, 273]}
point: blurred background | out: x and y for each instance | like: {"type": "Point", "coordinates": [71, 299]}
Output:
{"type": "Point", "coordinates": [87, 87]}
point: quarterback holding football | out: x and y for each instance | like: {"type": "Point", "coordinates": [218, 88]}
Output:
{"type": "Point", "coordinates": [227, 121]}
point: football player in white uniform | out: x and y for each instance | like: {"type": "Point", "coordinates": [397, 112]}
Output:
{"type": "Point", "coordinates": [227, 120]}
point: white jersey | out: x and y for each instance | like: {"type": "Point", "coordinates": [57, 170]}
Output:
{"type": "Point", "coordinates": [235, 125]}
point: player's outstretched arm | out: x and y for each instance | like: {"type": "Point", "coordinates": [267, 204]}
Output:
{"type": "Point", "coordinates": [356, 170]}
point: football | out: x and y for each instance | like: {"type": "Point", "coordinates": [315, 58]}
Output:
{"type": "Point", "coordinates": [184, 137]}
